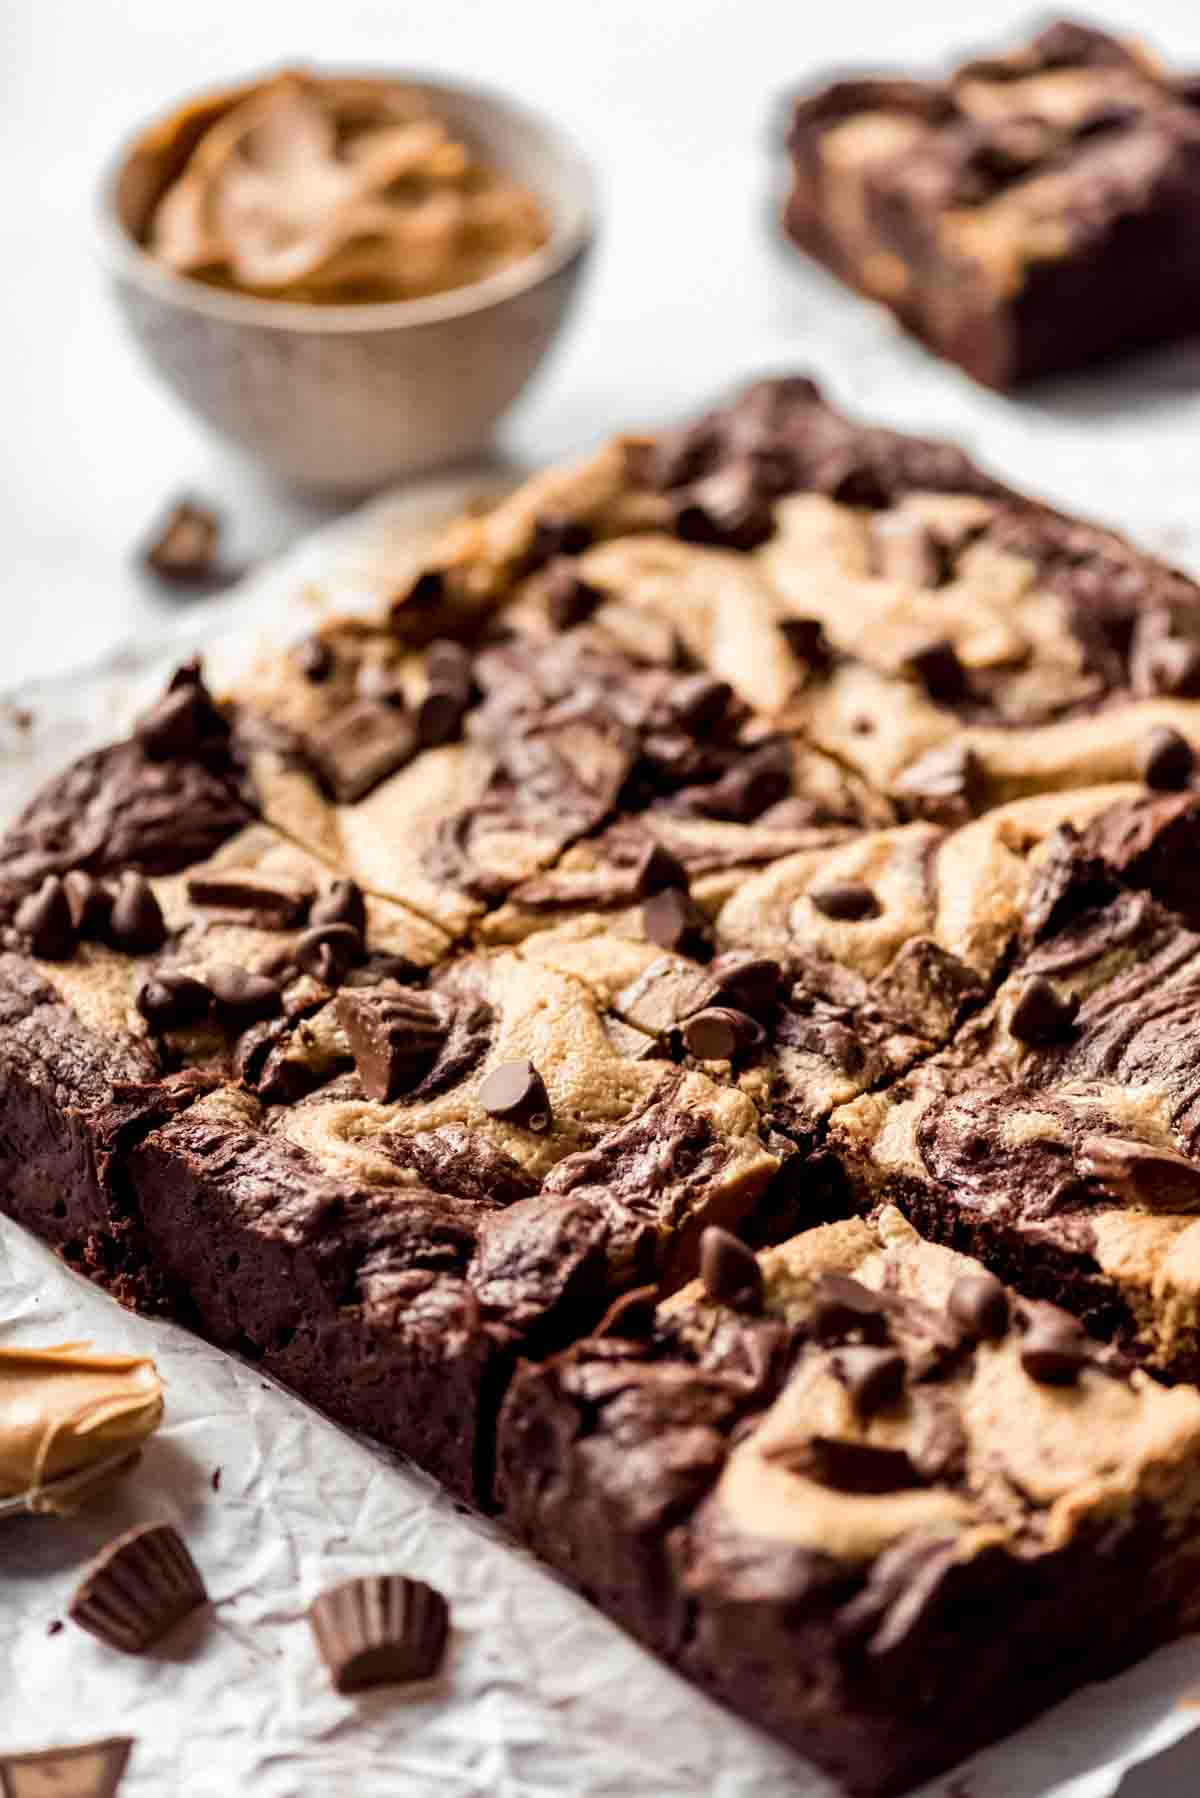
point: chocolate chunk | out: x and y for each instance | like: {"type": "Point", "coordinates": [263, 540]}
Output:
{"type": "Point", "coordinates": [315, 659]}
{"type": "Point", "coordinates": [873, 1377]}
{"type": "Point", "coordinates": [184, 549]}
{"type": "Point", "coordinates": [382, 1629]}
{"type": "Point", "coordinates": [849, 901]}
{"type": "Point", "coordinates": [937, 667]}
{"type": "Point", "coordinates": [978, 1303]}
{"type": "Point", "coordinates": [1040, 1017]}
{"type": "Point", "coordinates": [725, 510]}
{"type": "Point", "coordinates": [168, 1001]}
{"type": "Point", "coordinates": [557, 534]}
{"type": "Point", "coordinates": [674, 921]}
{"type": "Point", "coordinates": [179, 724]}
{"type": "Point", "coordinates": [516, 1092]}
{"type": "Point", "coordinates": [1166, 759]}
{"type": "Point", "coordinates": [341, 903]}
{"type": "Point", "coordinates": [329, 951]}
{"type": "Point", "coordinates": [806, 639]}
{"type": "Point", "coordinates": [138, 1588]}
{"type": "Point", "coordinates": [360, 746]}
{"type": "Point", "coordinates": [845, 1308]}
{"type": "Point", "coordinates": [275, 901]}
{"type": "Point", "coordinates": [1054, 1348]}
{"type": "Point", "coordinates": [944, 784]}
{"type": "Point", "coordinates": [569, 599]}
{"type": "Point", "coordinates": [1154, 1179]}
{"type": "Point", "coordinates": [700, 702]}
{"type": "Point", "coordinates": [91, 902]}
{"type": "Point", "coordinates": [749, 983]}
{"type": "Point", "coordinates": [718, 1033]}
{"type": "Point", "coordinates": [85, 1770]}
{"type": "Point", "coordinates": [136, 923]}
{"type": "Point", "coordinates": [848, 1466]}
{"type": "Point", "coordinates": [730, 1271]}
{"type": "Point", "coordinates": [44, 920]}
{"type": "Point", "coordinates": [659, 871]}
{"type": "Point", "coordinates": [394, 1037]}
{"type": "Point", "coordinates": [242, 998]}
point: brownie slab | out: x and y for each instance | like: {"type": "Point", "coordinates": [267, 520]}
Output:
{"type": "Point", "coordinates": [887, 1510]}
{"type": "Point", "coordinates": [1032, 212]}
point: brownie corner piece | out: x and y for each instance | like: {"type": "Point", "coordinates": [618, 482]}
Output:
{"type": "Point", "coordinates": [1032, 212]}
{"type": "Point", "coordinates": [885, 1510]}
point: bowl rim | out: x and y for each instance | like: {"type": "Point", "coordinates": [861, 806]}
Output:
{"type": "Point", "coordinates": [568, 236]}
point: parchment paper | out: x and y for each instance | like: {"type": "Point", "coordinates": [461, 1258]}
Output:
{"type": "Point", "coordinates": [540, 1696]}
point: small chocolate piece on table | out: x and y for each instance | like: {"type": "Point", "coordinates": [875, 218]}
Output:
{"type": "Point", "coordinates": [383, 1629]}
{"type": "Point", "coordinates": [84, 1770]}
{"type": "Point", "coordinates": [138, 1588]}
{"type": "Point", "coordinates": [184, 550]}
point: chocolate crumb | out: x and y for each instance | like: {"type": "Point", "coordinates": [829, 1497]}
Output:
{"type": "Point", "coordinates": [185, 548]}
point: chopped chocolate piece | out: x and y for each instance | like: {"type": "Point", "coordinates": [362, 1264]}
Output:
{"type": "Point", "coordinates": [729, 1270]}
{"type": "Point", "coordinates": [394, 1037]}
{"type": "Point", "coordinates": [516, 1092]}
{"type": "Point", "coordinates": [341, 903]}
{"type": "Point", "coordinates": [382, 1629]}
{"type": "Point", "coordinates": [937, 667]}
{"type": "Point", "coordinates": [1054, 1349]}
{"type": "Point", "coordinates": [844, 1308]}
{"type": "Point", "coordinates": [138, 1588]}
{"type": "Point", "coordinates": [184, 549]}
{"type": "Point", "coordinates": [136, 923]}
{"type": "Point", "coordinates": [439, 716]}
{"type": "Point", "coordinates": [1040, 1016]}
{"type": "Point", "coordinates": [674, 921]}
{"type": "Point", "coordinates": [360, 746]}
{"type": "Point", "coordinates": [979, 1303]}
{"type": "Point", "coordinates": [91, 903]}
{"type": "Point", "coordinates": [169, 1001]}
{"type": "Point", "coordinates": [873, 1377]}
{"type": "Point", "coordinates": [315, 659]}
{"type": "Point", "coordinates": [944, 784]}
{"type": "Point", "coordinates": [748, 982]}
{"type": "Point", "coordinates": [275, 901]}
{"type": "Point", "coordinates": [718, 1033]}
{"type": "Point", "coordinates": [242, 998]}
{"type": "Point", "coordinates": [847, 1465]}
{"type": "Point", "coordinates": [328, 951]}
{"type": "Point", "coordinates": [84, 1770]}
{"type": "Point", "coordinates": [183, 722]}
{"type": "Point", "coordinates": [1138, 1173]}
{"type": "Point", "coordinates": [569, 599]}
{"type": "Point", "coordinates": [44, 919]}
{"type": "Point", "coordinates": [849, 901]}
{"type": "Point", "coordinates": [1167, 759]}
{"type": "Point", "coordinates": [658, 871]}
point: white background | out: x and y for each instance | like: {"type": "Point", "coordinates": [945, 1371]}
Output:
{"type": "Point", "coordinates": [675, 101]}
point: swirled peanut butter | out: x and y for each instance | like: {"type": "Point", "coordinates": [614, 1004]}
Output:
{"type": "Point", "coordinates": [338, 190]}
{"type": "Point", "coordinates": [71, 1421]}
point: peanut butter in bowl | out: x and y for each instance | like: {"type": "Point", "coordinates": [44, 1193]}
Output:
{"type": "Point", "coordinates": [335, 190]}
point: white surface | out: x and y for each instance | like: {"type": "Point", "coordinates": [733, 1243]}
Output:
{"type": "Point", "coordinates": [674, 100]}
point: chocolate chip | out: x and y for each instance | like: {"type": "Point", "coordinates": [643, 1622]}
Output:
{"type": "Point", "coordinates": [136, 923]}
{"type": "Point", "coordinates": [1040, 1017]}
{"type": "Point", "coordinates": [844, 1307]}
{"type": "Point", "coordinates": [700, 702]}
{"type": "Point", "coordinates": [243, 998]}
{"type": "Point", "coordinates": [848, 1466]}
{"type": "Point", "coordinates": [274, 901]}
{"type": "Point", "coordinates": [978, 1303]}
{"type": "Point", "coordinates": [849, 901]}
{"type": "Point", "coordinates": [178, 724]}
{"type": "Point", "coordinates": [569, 599]}
{"type": "Point", "coordinates": [328, 952]}
{"type": "Point", "coordinates": [439, 716]}
{"type": "Point", "coordinates": [184, 548]}
{"type": "Point", "coordinates": [1054, 1348]}
{"type": "Point", "coordinates": [342, 903]}
{"type": "Point", "coordinates": [659, 871]}
{"type": "Point", "coordinates": [360, 746]}
{"type": "Point", "coordinates": [806, 639]}
{"type": "Point", "coordinates": [516, 1092]}
{"type": "Point", "coordinates": [394, 1037]}
{"type": "Point", "coordinates": [91, 903]}
{"type": "Point", "coordinates": [1154, 1179]}
{"type": "Point", "coordinates": [937, 667]}
{"type": "Point", "coordinates": [1166, 759]}
{"type": "Point", "coordinates": [729, 1271]}
{"type": "Point", "coordinates": [747, 982]}
{"type": "Point", "coordinates": [944, 783]}
{"type": "Point", "coordinates": [315, 659]}
{"type": "Point", "coordinates": [719, 1032]}
{"type": "Point", "coordinates": [873, 1377]}
{"type": "Point", "coordinates": [44, 919]}
{"type": "Point", "coordinates": [557, 534]}
{"type": "Point", "coordinates": [168, 1001]}
{"type": "Point", "coordinates": [674, 921]}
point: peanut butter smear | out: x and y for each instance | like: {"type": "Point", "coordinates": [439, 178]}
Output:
{"type": "Point", "coordinates": [71, 1421]}
{"type": "Point", "coordinates": [336, 191]}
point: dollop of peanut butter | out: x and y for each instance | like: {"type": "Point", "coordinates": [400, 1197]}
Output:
{"type": "Point", "coordinates": [72, 1421]}
{"type": "Point", "coordinates": [335, 190]}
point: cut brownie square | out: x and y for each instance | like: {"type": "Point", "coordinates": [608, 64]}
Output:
{"type": "Point", "coordinates": [1032, 212]}
{"type": "Point", "coordinates": [883, 1507]}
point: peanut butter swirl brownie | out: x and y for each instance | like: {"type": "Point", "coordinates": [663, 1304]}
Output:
{"type": "Point", "coordinates": [744, 829]}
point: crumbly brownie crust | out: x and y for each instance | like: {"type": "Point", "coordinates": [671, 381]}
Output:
{"type": "Point", "coordinates": [1033, 212]}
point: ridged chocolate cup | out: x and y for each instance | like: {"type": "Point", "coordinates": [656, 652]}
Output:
{"type": "Point", "coordinates": [138, 1588]}
{"type": "Point", "coordinates": [384, 1629]}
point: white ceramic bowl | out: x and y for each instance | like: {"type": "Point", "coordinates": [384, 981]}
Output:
{"type": "Point", "coordinates": [346, 398]}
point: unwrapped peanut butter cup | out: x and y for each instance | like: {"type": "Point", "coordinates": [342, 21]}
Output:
{"type": "Point", "coordinates": [86, 1770]}
{"type": "Point", "coordinates": [384, 1629]}
{"type": "Point", "coordinates": [138, 1588]}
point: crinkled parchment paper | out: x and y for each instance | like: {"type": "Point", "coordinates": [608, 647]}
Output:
{"type": "Point", "coordinates": [540, 1697]}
